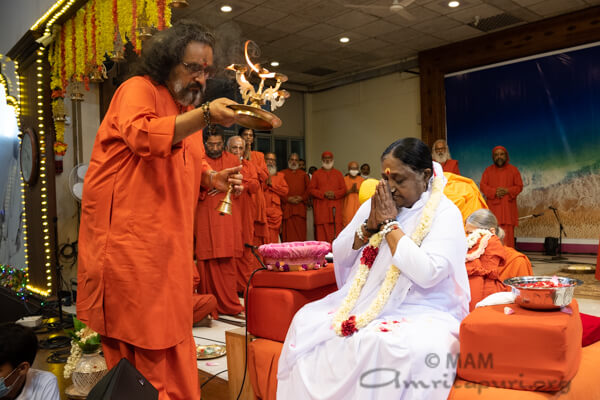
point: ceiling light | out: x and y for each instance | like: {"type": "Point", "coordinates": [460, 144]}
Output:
{"type": "Point", "coordinates": [274, 63]}
{"type": "Point", "coordinates": [344, 39]}
{"type": "Point", "coordinates": [226, 8]}
{"type": "Point", "coordinates": [453, 4]}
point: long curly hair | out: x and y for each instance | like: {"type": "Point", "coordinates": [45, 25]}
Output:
{"type": "Point", "coordinates": [165, 49]}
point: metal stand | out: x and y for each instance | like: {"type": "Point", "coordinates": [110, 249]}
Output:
{"type": "Point", "coordinates": [560, 234]}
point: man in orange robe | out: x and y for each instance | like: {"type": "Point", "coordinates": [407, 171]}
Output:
{"type": "Point", "coordinates": [294, 206]}
{"type": "Point", "coordinates": [353, 182]}
{"type": "Point", "coordinates": [501, 183]}
{"type": "Point", "coordinates": [203, 304]}
{"type": "Point", "coordinates": [245, 203]}
{"type": "Point", "coordinates": [441, 154]}
{"type": "Point", "coordinates": [328, 189]}
{"type": "Point", "coordinates": [276, 190]}
{"type": "Point", "coordinates": [217, 239]}
{"type": "Point", "coordinates": [136, 238]}
{"type": "Point", "coordinates": [261, 230]}
{"type": "Point", "coordinates": [516, 263]}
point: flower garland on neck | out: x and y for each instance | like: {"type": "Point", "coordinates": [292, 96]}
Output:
{"type": "Point", "coordinates": [345, 325]}
{"type": "Point", "coordinates": [473, 238]}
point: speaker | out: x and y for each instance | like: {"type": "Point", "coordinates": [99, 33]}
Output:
{"type": "Point", "coordinates": [550, 246]}
{"type": "Point", "coordinates": [123, 382]}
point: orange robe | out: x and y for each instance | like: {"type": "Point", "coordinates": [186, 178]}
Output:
{"type": "Point", "coordinates": [505, 208]}
{"type": "Point", "coordinates": [464, 193]}
{"type": "Point", "coordinates": [327, 211]}
{"type": "Point", "coordinates": [294, 215]}
{"type": "Point", "coordinates": [204, 304]}
{"type": "Point", "coordinates": [483, 271]}
{"type": "Point", "coordinates": [136, 238]}
{"type": "Point", "coordinates": [451, 166]}
{"type": "Point", "coordinates": [217, 243]}
{"type": "Point", "coordinates": [261, 230]}
{"type": "Point", "coordinates": [351, 203]}
{"type": "Point", "coordinates": [275, 193]}
{"type": "Point", "coordinates": [247, 262]}
{"type": "Point", "coordinates": [516, 264]}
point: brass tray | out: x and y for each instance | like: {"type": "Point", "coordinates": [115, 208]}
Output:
{"type": "Point", "coordinates": [579, 269]}
{"type": "Point", "coordinates": [254, 117]}
{"type": "Point", "coordinates": [209, 351]}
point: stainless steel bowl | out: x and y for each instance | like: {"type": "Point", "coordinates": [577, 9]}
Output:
{"type": "Point", "coordinates": [542, 298]}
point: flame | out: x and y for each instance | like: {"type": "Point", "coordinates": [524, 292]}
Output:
{"type": "Point", "coordinates": [254, 68]}
{"type": "Point", "coordinates": [231, 67]}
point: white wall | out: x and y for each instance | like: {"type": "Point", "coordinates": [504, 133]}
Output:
{"type": "Point", "coordinates": [292, 116]}
{"type": "Point", "coordinates": [358, 121]}
{"type": "Point", "coordinates": [66, 205]}
{"type": "Point", "coordinates": [17, 17]}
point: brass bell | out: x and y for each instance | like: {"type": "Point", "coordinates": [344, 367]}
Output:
{"type": "Point", "coordinates": [179, 3]}
{"type": "Point", "coordinates": [96, 76]}
{"type": "Point", "coordinates": [117, 56]}
{"type": "Point", "coordinates": [224, 207]}
{"type": "Point", "coordinates": [145, 32]}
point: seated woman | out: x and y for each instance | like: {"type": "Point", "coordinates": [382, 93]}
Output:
{"type": "Point", "coordinates": [485, 256]}
{"type": "Point", "coordinates": [389, 330]}
{"type": "Point", "coordinates": [516, 263]}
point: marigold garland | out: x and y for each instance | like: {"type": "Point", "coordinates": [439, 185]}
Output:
{"type": "Point", "coordinates": [345, 324]}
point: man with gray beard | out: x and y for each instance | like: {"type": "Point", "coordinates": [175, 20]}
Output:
{"type": "Point", "coordinates": [441, 154]}
{"type": "Point", "coordinates": [136, 239]}
{"type": "Point", "coordinates": [276, 191]}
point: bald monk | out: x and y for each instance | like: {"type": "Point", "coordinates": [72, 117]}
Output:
{"type": "Point", "coordinates": [485, 258]}
{"type": "Point", "coordinates": [247, 206]}
{"type": "Point", "coordinates": [136, 238]}
{"type": "Point", "coordinates": [218, 237]}
{"type": "Point", "coordinates": [353, 181]}
{"type": "Point", "coordinates": [501, 184]}
{"type": "Point", "coordinates": [441, 154]}
{"type": "Point", "coordinates": [516, 264]}
{"type": "Point", "coordinates": [276, 190]}
{"type": "Point", "coordinates": [293, 228]}
{"type": "Point", "coordinates": [328, 189]}
{"type": "Point", "coordinates": [257, 158]}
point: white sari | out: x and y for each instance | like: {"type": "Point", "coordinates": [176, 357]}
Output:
{"type": "Point", "coordinates": [409, 351]}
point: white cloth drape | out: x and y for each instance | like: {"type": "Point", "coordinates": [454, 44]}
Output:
{"type": "Point", "coordinates": [414, 359]}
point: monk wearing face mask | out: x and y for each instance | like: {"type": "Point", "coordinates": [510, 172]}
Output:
{"type": "Point", "coordinates": [353, 181]}
{"type": "Point", "coordinates": [328, 189]}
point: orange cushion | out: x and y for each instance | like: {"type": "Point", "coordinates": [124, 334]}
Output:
{"type": "Point", "coordinates": [528, 350]}
{"type": "Point", "coordinates": [270, 310]}
{"type": "Point", "coordinates": [295, 279]}
{"type": "Point", "coordinates": [584, 385]}
{"type": "Point", "coordinates": [263, 359]}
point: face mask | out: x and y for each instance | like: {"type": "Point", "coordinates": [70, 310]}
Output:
{"type": "Point", "coordinates": [365, 176]}
{"type": "Point", "coordinates": [327, 165]}
{"type": "Point", "coordinates": [353, 172]}
{"type": "Point", "coordinates": [5, 390]}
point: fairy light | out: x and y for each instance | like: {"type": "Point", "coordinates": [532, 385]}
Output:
{"type": "Point", "coordinates": [43, 18]}
{"type": "Point", "coordinates": [59, 14]}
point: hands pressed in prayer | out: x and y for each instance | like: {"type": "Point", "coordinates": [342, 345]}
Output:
{"type": "Point", "coordinates": [353, 189]}
{"type": "Point", "coordinates": [383, 206]}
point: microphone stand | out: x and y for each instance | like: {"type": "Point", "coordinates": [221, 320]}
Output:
{"type": "Point", "coordinates": [560, 234]}
{"type": "Point", "coordinates": [334, 227]}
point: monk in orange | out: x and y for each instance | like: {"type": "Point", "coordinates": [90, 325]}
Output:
{"type": "Point", "coordinates": [517, 264]}
{"type": "Point", "coordinates": [501, 184]}
{"type": "Point", "coordinates": [328, 189]}
{"type": "Point", "coordinates": [247, 262]}
{"type": "Point", "coordinates": [218, 239]}
{"type": "Point", "coordinates": [203, 305]}
{"type": "Point", "coordinates": [441, 154]}
{"type": "Point", "coordinates": [294, 205]}
{"type": "Point", "coordinates": [276, 190]}
{"type": "Point", "coordinates": [353, 181]}
{"type": "Point", "coordinates": [136, 238]}
{"type": "Point", "coordinates": [257, 158]}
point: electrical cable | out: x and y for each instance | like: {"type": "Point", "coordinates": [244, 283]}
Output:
{"type": "Point", "coordinates": [212, 340]}
{"type": "Point", "coordinates": [211, 378]}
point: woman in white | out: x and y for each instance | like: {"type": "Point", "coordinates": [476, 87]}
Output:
{"type": "Point", "coordinates": [391, 330]}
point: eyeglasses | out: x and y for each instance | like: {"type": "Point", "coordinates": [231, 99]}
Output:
{"type": "Point", "coordinates": [207, 71]}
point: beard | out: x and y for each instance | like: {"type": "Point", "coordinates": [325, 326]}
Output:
{"type": "Point", "coordinates": [440, 158]}
{"type": "Point", "coordinates": [191, 95]}
{"type": "Point", "coordinates": [499, 162]}
{"type": "Point", "coordinates": [214, 154]}
{"type": "Point", "coordinates": [327, 165]}
{"type": "Point", "coordinates": [272, 170]}
{"type": "Point", "coordinates": [293, 165]}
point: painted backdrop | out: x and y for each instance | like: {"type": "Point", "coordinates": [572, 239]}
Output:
{"type": "Point", "coordinates": [546, 112]}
